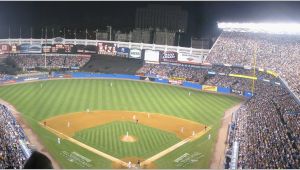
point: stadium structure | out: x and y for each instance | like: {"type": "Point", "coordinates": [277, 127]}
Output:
{"type": "Point", "coordinates": [106, 104]}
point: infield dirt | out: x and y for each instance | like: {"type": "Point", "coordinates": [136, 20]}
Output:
{"type": "Point", "coordinates": [68, 124]}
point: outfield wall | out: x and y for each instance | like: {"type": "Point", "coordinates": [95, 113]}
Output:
{"type": "Point", "coordinates": [187, 84]}
{"type": "Point", "coordinates": [193, 85]}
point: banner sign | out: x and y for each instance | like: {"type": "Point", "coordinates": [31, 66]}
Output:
{"type": "Point", "coordinates": [135, 53]}
{"type": "Point", "coordinates": [189, 59]}
{"type": "Point", "coordinates": [152, 56]}
{"type": "Point", "coordinates": [209, 88]}
{"type": "Point", "coordinates": [14, 48]}
{"type": "Point", "coordinates": [35, 48]}
{"type": "Point", "coordinates": [107, 48]}
{"type": "Point", "coordinates": [168, 56]}
{"type": "Point", "coordinates": [239, 92]}
{"type": "Point", "coordinates": [80, 48]}
{"type": "Point", "coordinates": [69, 48]}
{"type": "Point", "coordinates": [4, 48]}
{"type": "Point", "coordinates": [58, 48]}
{"type": "Point", "coordinates": [123, 52]}
{"type": "Point", "coordinates": [46, 48]}
{"type": "Point", "coordinates": [248, 94]}
{"type": "Point", "coordinates": [211, 72]}
{"type": "Point", "coordinates": [24, 48]}
{"type": "Point", "coordinates": [176, 82]}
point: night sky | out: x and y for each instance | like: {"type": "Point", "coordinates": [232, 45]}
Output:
{"type": "Point", "coordinates": [120, 15]}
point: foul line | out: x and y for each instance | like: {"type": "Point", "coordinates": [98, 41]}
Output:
{"type": "Point", "coordinates": [174, 147]}
{"type": "Point", "coordinates": [109, 157]}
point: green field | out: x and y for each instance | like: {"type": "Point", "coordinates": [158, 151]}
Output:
{"type": "Point", "coordinates": [59, 97]}
{"type": "Point", "coordinates": [150, 140]}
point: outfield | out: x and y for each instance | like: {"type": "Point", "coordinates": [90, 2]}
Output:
{"type": "Point", "coordinates": [53, 98]}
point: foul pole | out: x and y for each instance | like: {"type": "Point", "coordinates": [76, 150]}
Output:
{"type": "Point", "coordinates": [45, 50]}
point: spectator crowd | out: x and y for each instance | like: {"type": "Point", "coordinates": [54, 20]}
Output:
{"type": "Point", "coordinates": [11, 154]}
{"type": "Point", "coordinates": [267, 130]}
{"type": "Point", "coordinates": [279, 53]}
{"type": "Point", "coordinates": [267, 127]}
{"type": "Point", "coordinates": [52, 60]}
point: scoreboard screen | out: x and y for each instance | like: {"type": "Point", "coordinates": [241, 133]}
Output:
{"type": "Point", "coordinates": [68, 48]}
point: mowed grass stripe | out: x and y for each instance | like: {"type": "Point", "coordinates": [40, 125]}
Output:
{"type": "Point", "coordinates": [123, 149]}
{"type": "Point", "coordinates": [65, 96]}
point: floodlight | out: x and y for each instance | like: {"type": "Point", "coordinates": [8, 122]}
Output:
{"type": "Point", "coordinates": [273, 28]}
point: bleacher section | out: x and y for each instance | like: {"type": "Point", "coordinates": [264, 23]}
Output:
{"type": "Point", "coordinates": [112, 65]}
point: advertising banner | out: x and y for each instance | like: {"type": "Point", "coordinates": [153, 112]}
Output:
{"type": "Point", "coordinates": [80, 48]}
{"type": "Point", "coordinates": [211, 72]}
{"type": "Point", "coordinates": [168, 56]}
{"type": "Point", "coordinates": [35, 48]}
{"type": "Point", "coordinates": [135, 53]}
{"type": "Point", "coordinates": [176, 80]}
{"type": "Point", "coordinates": [209, 88]}
{"type": "Point", "coordinates": [239, 92]}
{"type": "Point", "coordinates": [14, 48]}
{"type": "Point", "coordinates": [224, 90]}
{"type": "Point", "coordinates": [24, 48]}
{"type": "Point", "coordinates": [248, 94]}
{"type": "Point", "coordinates": [46, 48]}
{"type": "Point", "coordinates": [107, 48]}
{"type": "Point", "coordinates": [69, 48]}
{"type": "Point", "coordinates": [123, 52]}
{"type": "Point", "coordinates": [58, 48]}
{"type": "Point", "coordinates": [189, 59]}
{"type": "Point", "coordinates": [4, 48]}
{"type": "Point", "coordinates": [152, 56]}
{"type": "Point", "coordinates": [192, 85]}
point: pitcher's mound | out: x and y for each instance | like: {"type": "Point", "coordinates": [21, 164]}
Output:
{"type": "Point", "coordinates": [128, 138]}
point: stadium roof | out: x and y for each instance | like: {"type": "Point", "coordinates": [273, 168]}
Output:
{"type": "Point", "coordinates": [272, 28]}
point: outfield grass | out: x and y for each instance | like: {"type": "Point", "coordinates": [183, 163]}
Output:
{"type": "Point", "coordinates": [106, 138]}
{"type": "Point", "coordinates": [58, 97]}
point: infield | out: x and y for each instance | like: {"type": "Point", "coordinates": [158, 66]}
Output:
{"type": "Point", "coordinates": [182, 128]}
{"type": "Point", "coordinates": [102, 130]}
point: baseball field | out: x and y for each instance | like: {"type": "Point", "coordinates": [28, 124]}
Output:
{"type": "Point", "coordinates": [89, 123]}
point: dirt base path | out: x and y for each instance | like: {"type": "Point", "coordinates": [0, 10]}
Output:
{"type": "Point", "coordinates": [69, 124]}
{"type": "Point", "coordinates": [32, 137]}
{"type": "Point", "coordinates": [89, 148]}
{"type": "Point", "coordinates": [66, 125]}
{"type": "Point", "coordinates": [219, 150]}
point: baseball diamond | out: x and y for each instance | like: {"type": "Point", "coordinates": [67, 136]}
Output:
{"type": "Point", "coordinates": [91, 116]}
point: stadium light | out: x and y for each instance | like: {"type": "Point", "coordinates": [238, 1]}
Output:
{"type": "Point", "coordinates": [273, 28]}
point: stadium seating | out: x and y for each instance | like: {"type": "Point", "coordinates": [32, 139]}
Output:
{"type": "Point", "coordinates": [279, 53]}
{"type": "Point", "coordinates": [11, 153]}
{"type": "Point", "coordinates": [109, 64]}
{"type": "Point", "coordinates": [267, 126]}
{"type": "Point", "coordinates": [52, 60]}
